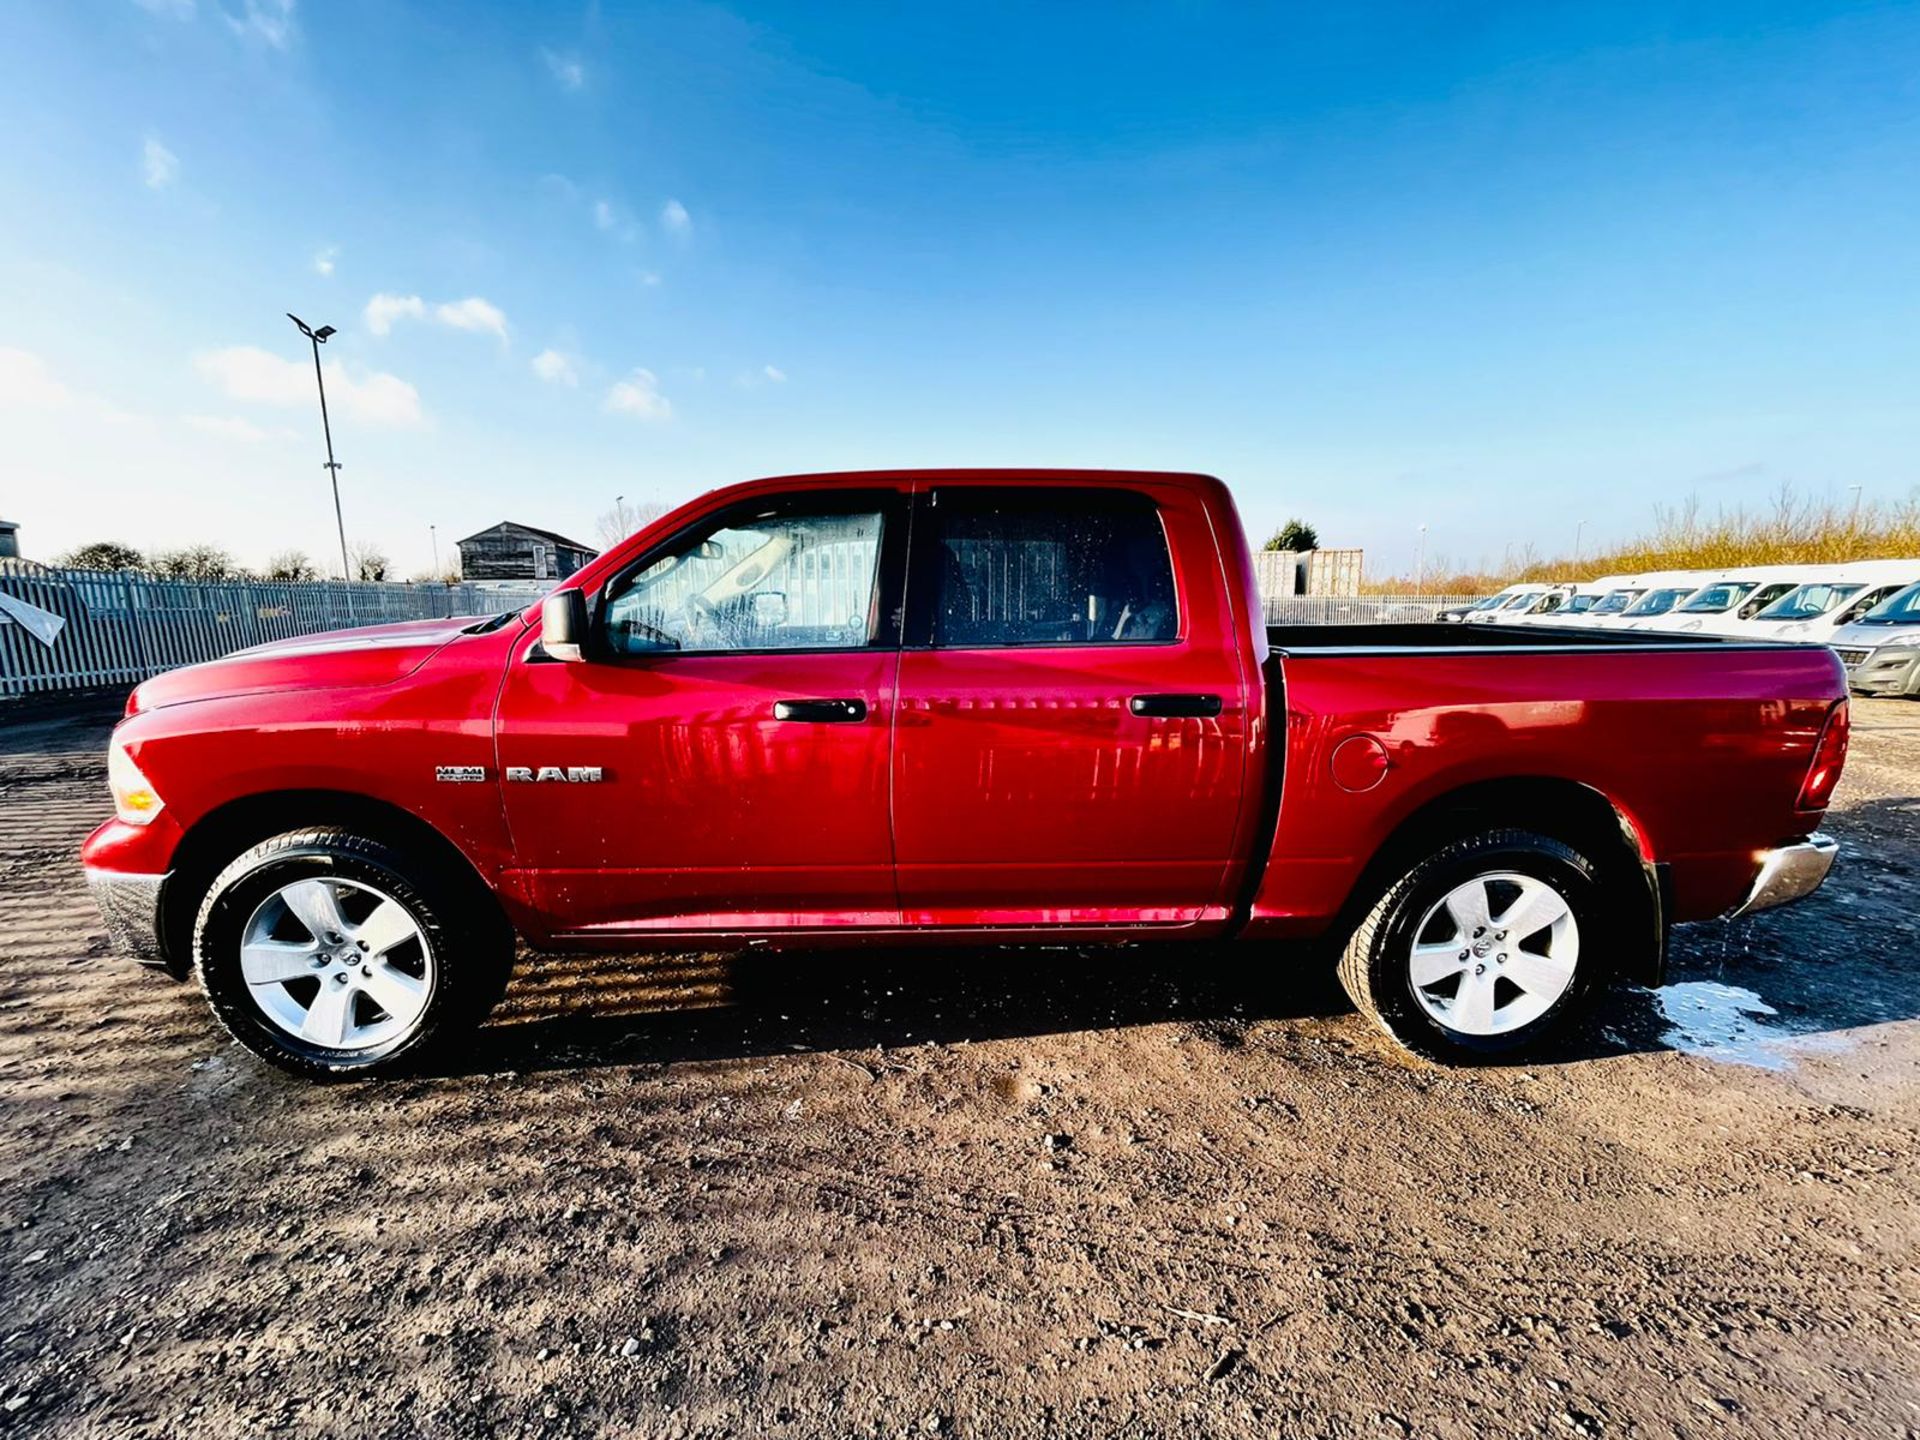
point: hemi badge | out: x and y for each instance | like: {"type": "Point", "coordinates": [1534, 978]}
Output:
{"type": "Point", "coordinates": [460, 774]}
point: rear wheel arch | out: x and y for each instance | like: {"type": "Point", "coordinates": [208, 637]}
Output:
{"type": "Point", "coordinates": [1570, 811]}
{"type": "Point", "coordinates": [230, 830]}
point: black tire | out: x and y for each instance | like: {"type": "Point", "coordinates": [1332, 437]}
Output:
{"type": "Point", "coordinates": [1376, 966]}
{"type": "Point", "coordinates": [470, 944]}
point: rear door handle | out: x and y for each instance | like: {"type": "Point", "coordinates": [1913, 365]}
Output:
{"type": "Point", "coordinates": [1163, 707]}
{"type": "Point", "coordinates": [821, 712]}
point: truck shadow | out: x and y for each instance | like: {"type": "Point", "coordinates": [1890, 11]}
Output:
{"type": "Point", "coordinates": [1757, 992]}
{"type": "Point", "coordinates": [573, 1011]}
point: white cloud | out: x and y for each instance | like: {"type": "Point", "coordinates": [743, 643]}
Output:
{"type": "Point", "coordinates": [246, 372]}
{"type": "Point", "coordinates": [608, 217]}
{"type": "Point", "coordinates": [774, 373]}
{"type": "Point", "coordinates": [168, 9]}
{"type": "Point", "coordinates": [556, 368]}
{"type": "Point", "coordinates": [27, 384]}
{"type": "Point", "coordinates": [383, 309]}
{"type": "Point", "coordinates": [268, 21]}
{"type": "Point", "coordinates": [473, 314]}
{"type": "Point", "coordinates": [649, 277]}
{"type": "Point", "coordinates": [159, 166]}
{"type": "Point", "coordinates": [323, 260]}
{"type": "Point", "coordinates": [566, 69]}
{"type": "Point", "coordinates": [675, 220]}
{"type": "Point", "coordinates": [639, 395]}
{"type": "Point", "coordinates": [229, 427]}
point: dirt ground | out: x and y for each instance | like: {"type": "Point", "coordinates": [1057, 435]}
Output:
{"type": "Point", "coordinates": [982, 1194]}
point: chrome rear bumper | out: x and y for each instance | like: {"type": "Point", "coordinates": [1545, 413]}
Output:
{"type": "Point", "coordinates": [1788, 873]}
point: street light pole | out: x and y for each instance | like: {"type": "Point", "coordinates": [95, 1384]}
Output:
{"type": "Point", "coordinates": [433, 533]}
{"type": "Point", "coordinates": [1578, 531]}
{"type": "Point", "coordinates": [319, 338]}
{"type": "Point", "coordinates": [1420, 562]}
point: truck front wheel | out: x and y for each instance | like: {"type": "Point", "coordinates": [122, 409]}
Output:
{"type": "Point", "coordinates": [331, 954]}
{"type": "Point", "coordinates": [1480, 949]}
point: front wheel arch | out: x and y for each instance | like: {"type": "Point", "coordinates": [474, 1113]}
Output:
{"type": "Point", "coordinates": [229, 830]}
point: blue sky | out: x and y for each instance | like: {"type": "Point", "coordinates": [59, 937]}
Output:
{"type": "Point", "coordinates": [1496, 270]}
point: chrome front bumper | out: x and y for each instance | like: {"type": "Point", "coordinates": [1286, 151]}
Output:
{"type": "Point", "coordinates": [130, 906]}
{"type": "Point", "coordinates": [1788, 873]}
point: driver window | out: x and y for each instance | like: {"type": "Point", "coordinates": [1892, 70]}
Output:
{"type": "Point", "coordinates": [769, 582]}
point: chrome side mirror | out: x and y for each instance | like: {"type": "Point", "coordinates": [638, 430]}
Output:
{"type": "Point", "coordinates": [563, 625]}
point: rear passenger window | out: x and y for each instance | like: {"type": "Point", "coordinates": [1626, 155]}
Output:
{"type": "Point", "coordinates": [1078, 567]}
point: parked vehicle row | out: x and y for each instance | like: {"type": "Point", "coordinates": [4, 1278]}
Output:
{"type": "Point", "coordinates": [1868, 611]}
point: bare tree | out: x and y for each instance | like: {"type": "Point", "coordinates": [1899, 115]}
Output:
{"type": "Point", "coordinates": [196, 562]}
{"type": "Point", "coordinates": [104, 555]}
{"type": "Point", "coordinates": [623, 519]}
{"type": "Point", "coordinates": [291, 565]}
{"type": "Point", "coordinates": [369, 561]}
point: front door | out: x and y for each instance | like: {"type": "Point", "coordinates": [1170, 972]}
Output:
{"type": "Point", "coordinates": [719, 760]}
{"type": "Point", "coordinates": [1071, 737]}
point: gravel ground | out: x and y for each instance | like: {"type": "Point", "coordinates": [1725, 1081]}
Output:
{"type": "Point", "coordinates": [985, 1194]}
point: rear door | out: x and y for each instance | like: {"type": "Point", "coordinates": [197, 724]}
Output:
{"type": "Point", "coordinates": [1070, 741]}
{"type": "Point", "coordinates": [719, 760]}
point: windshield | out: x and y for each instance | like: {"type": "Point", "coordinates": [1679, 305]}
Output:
{"type": "Point", "coordinates": [1901, 609]}
{"type": "Point", "coordinates": [1715, 598]}
{"type": "Point", "coordinates": [1524, 600]}
{"type": "Point", "coordinates": [1657, 602]}
{"type": "Point", "coordinates": [1579, 604]}
{"type": "Point", "coordinates": [1808, 601]}
{"type": "Point", "coordinates": [1488, 603]}
{"type": "Point", "coordinates": [1613, 602]}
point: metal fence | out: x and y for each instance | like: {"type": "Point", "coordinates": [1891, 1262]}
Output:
{"type": "Point", "coordinates": [119, 627]}
{"type": "Point", "coordinates": [1359, 609]}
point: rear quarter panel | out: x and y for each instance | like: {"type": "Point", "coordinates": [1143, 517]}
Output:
{"type": "Point", "coordinates": [1703, 751]}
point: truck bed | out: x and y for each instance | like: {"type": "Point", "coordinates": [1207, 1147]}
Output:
{"type": "Point", "coordinates": [1377, 639]}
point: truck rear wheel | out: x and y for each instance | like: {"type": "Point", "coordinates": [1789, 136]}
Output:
{"type": "Point", "coordinates": [331, 954]}
{"type": "Point", "coordinates": [1482, 949]}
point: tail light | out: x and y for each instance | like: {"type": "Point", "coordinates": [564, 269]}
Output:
{"type": "Point", "coordinates": [1829, 759]}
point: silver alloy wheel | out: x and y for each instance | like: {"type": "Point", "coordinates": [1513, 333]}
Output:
{"type": "Point", "coordinates": [337, 963]}
{"type": "Point", "coordinates": [1494, 954]}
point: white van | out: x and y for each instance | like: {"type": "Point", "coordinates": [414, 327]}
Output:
{"type": "Point", "coordinates": [1615, 594]}
{"type": "Point", "coordinates": [1659, 593]}
{"type": "Point", "coordinates": [1728, 601]}
{"type": "Point", "coordinates": [1484, 612]}
{"type": "Point", "coordinates": [1564, 604]}
{"type": "Point", "coordinates": [1815, 610]}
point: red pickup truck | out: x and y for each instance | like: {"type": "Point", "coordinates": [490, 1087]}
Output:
{"type": "Point", "coordinates": [1034, 706]}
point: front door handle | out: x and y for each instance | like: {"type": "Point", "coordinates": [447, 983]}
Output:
{"type": "Point", "coordinates": [821, 712]}
{"type": "Point", "coordinates": [1165, 707]}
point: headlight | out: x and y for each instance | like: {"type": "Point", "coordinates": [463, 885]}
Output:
{"type": "Point", "coordinates": [134, 800]}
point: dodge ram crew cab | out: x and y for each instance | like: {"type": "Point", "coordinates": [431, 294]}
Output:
{"type": "Point", "coordinates": [951, 706]}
